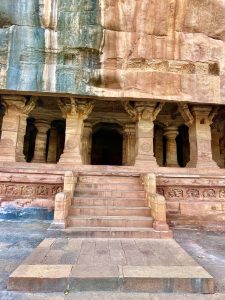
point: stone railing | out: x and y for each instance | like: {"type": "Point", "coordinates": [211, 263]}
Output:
{"type": "Point", "coordinates": [156, 202]}
{"type": "Point", "coordinates": [63, 200]}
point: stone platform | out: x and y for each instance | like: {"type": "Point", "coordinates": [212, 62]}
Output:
{"type": "Point", "coordinates": [118, 265]}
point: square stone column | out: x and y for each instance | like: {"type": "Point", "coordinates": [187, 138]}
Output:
{"type": "Point", "coordinates": [144, 113]}
{"type": "Point", "coordinates": [14, 124]}
{"type": "Point", "coordinates": [75, 111]}
{"type": "Point", "coordinates": [216, 151]}
{"type": "Point", "coordinates": [200, 138]}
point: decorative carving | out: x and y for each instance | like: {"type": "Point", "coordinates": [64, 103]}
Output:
{"type": "Point", "coordinates": [56, 190]}
{"type": "Point", "coordinates": [161, 191]}
{"type": "Point", "coordinates": [130, 110]}
{"type": "Point", "coordinates": [193, 193]}
{"type": "Point", "coordinates": [146, 147]}
{"type": "Point", "coordinates": [177, 193]}
{"type": "Point", "coordinates": [29, 190]}
{"type": "Point", "coordinates": [143, 110]}
{"type": "Point", "coordinates": [42, 190]}
{"type": "Point", "coordinates": [75, 107]}
{"type": "Point", "coordinates": [222, 193]}
{"type": "Point", "coordinates": [30, 105]}
{"type": "Point", "coordinates": [209, 193]}
{"type": "Point", "coordinates": [12, 190]}
{"type": "Point", "coordinates": [185, 113]}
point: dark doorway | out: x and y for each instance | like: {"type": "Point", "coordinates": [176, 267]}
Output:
{"type": "Point", "coordinates": [107, 145]}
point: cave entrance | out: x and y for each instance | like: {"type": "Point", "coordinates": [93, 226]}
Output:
{"type": "Point", "coordinates": [107, 145]}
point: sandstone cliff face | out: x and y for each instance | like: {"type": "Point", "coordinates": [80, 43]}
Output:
{"type": "Point", "coordinates": [160, 49]}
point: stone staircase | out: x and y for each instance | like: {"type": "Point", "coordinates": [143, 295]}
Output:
{"type": "Point", "coordinates": [110, 206]}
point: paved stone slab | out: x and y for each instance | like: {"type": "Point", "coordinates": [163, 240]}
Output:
{"type": "Point", "coordinates": [94, 264]}
{"type": "Point", "coordinates": [165, 272]}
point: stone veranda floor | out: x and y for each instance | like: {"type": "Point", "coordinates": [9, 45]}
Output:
{"type": "Point", "coordinates": [18, 239]}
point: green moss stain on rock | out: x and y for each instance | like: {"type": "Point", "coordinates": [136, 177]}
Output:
{"type": "Point", "coordinates": [24, 44]}
{"type": "Point", "coordinates": [79, 41]}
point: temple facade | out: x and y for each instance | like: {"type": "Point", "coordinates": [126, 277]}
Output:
{"type": "Point", "coordinates": [147, 134]}
{"type": "Point", "coordinates": [121, 100]}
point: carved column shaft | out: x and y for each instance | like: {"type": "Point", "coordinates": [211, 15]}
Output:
{"type": "Point", "coordinates": [87, 144]}
{"type": "Point", "coordinates": [52, 146]}
{"type": "Point", "coordinates": [145, 134]}
{"type": "Point", "coordinates": [144, 113]}
{"type": "Point", "coordinates": [200, 138]}
{"type": "Point", "coordinates": [75, 112]}
{"type": "Point", "coordinates": [159, 146]}
{"type": "Point", "coordinates": [129, 141]}
{"type": "Point", "coordinates": [171, 133]}
{"type": "Point", "coordinates": [41, 141]}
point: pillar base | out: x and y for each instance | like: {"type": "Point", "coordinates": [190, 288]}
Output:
{"type": "Point", "coordinates": [70, 158]}
{"type": "Point", "coordinates": [7, 153]}
{"type": "Point", "coordinates": [146, 163]}
{"type": "Point", "coordinates": [203, 164]}
{"type": "Point", "coordinates": [37, 161]}
{"type": "Point", "coordinates": [172, 165]}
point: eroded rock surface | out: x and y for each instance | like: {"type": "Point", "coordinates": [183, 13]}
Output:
{"type": "Point", "coordinates": [160, 49]}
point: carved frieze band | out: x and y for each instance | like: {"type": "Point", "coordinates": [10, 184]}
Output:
{"type": "Point", "coordinates": [192, 193]}
{"type": "Point", "coordinates": [12, 190]}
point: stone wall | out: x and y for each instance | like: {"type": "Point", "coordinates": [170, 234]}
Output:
{"type": "Point", "coordinates": [28, 194]}
{"type": "Point", "coordinates": [192, 200]}
{"type": "Point", "coordinates": [160, 49]}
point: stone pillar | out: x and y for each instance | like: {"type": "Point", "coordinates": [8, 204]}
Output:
{"type": "Point", "coordinates": [216, 151]}
{"type": "Point", "coordinates": [87, 144]}
{"type": "Point", "coordinates": [75, 112]}
{"type": "Point", "coordinates": [159, 146]}
{"type": "Point", "coordinates": [171, 132]}
{"type": "Point", "coordinates": [200, 138]}
{"type": "Point", "coordinates": [1, 118]}
{"type": "Point", "coordinates": [14, 124]}
{"type": "Point", "coordinates": [42, 127]}
{"type": "Point", "coordinates": [129, 141]}
{"type": "Point", "coordinates": [144, 113]}
{"type": "Point", "coordinates": [52, 146]}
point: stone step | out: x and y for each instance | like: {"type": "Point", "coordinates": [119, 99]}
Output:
{"type": "Point", "coordinates": [130, 202]}
{"type": "Point", "coordinates": [109, 211]}
{"type": "Point", "coordinates": [151, 279]}
{"type": "Point", "coordinates": [109, 232]}
{"type": "Point", "coordinates": [114, 194]}
{"type": "Point", "coordinates": [109, 221]}
{"type": "Point", "coordinates": [110, 186]}
{"type": "Point", "coordinates": [109, 179]}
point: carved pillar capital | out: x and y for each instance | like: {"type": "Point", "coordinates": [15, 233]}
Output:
{"type": "Point", "coordinates": [42, 126]}
{"type": "Point", "coordinates": [171, 132]}
{"type": "Point", "coordinates": [143, 110]}
{"type": "Point", "coordinates": [75, 108]}
{"type": "Point", "coordinates": [18, 104]}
